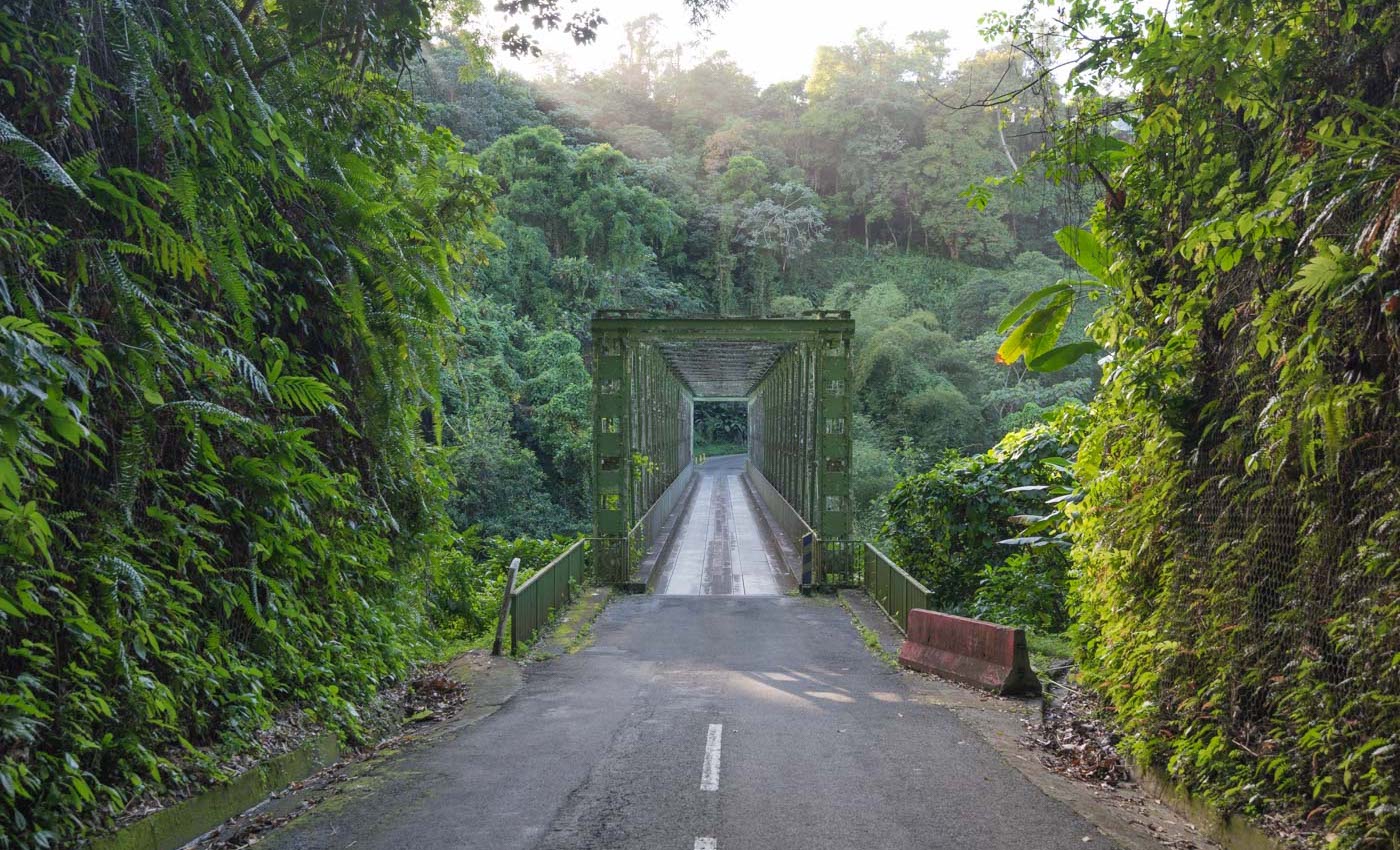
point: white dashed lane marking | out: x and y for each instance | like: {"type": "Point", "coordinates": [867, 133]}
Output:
{"type": "Point", "coordinates": [709, 774]}
{"type": "Point", "coordinates": [706, 844]}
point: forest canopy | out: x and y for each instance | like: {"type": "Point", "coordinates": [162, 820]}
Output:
{"type": "Point", "coordinates": [685, 188]}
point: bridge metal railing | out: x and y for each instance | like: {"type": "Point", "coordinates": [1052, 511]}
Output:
{"type": "Point", "coordinates": [790, 522]}
{"type": "Point", "coordinates": [825, 562]}
{"type": "Point", "coordinates": [548, 590]}
{"type": "Point", "coordinates": [844, 563]}
{"type": "Point", "coordinates": [644, 533]}
{"type": "Point", "coordinates": [892, 588]}
{"type": "Point", "coordinates": [839, 563]}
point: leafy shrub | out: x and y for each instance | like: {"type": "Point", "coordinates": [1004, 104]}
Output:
{"type": "Point", "coordinates": [468, 579]}
{"type": "Point", "coordinates": [946, 525]}
{"type": "Point", "coordinates": [1027, 589]}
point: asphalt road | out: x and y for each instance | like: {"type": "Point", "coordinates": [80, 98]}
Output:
{"type": "Point", "coordinates": [705, 721]}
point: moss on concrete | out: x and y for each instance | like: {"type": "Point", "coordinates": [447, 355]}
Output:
{"type": "Point", "coordinates": [176, 826]}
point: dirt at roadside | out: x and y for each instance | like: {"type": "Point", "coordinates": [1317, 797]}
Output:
{"type": "Point", "coordinates": [438, 700]}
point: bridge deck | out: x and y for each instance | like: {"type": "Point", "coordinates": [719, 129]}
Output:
{"type": "Point", "coordinates": [723, 544]}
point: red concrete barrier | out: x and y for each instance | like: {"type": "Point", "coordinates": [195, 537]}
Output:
{"type": "Point", "coordinates": [973, 652]}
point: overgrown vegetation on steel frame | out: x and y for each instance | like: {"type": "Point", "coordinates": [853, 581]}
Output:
{"type": "Point", "coordinates": [1237, 546]}
{"type": "Point", "coordinates": [795, 374]}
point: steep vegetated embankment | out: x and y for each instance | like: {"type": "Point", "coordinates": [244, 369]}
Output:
{"type": "Point", "coordinates": [1236, 551]}
{"type": "Point", "coordinates": [226, 244]}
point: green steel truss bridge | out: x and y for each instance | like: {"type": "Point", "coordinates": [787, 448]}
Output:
{"type": "Point", "coordinates": [776, 518]}
{"type": "Point", "coordinates": [794, 374]}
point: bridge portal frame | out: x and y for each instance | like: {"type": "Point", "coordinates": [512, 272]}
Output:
{"type": "Point", "coordinates": [795, 375]}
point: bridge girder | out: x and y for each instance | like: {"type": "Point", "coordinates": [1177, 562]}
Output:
{"type": "Point", "coordinates": [648, 372]}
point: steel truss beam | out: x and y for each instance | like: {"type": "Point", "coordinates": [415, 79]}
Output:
{"type": "Point", "coordinates": [648, 372]}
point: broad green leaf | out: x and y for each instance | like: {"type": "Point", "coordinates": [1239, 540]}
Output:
{"type": "Point", "coordinates": [84, 790]}
{"type": "Point", "coordinates": [1028, 303]}
{"type": "Point", "coordinates": [1085, 249]}
{"type": "Point", "coordinates": [8, 607]}
{"type": "Point", "coordinates": [9, 477]}
{"type": "Point", "coordinates": [1037, 334]}
{"type": "Point", "coordinates": [1061, 356]}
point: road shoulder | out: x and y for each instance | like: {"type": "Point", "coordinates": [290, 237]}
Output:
{"type": "Point", "coordinates": [490, 683]}
{"type": "Point", "coordinates": [1125, 813]}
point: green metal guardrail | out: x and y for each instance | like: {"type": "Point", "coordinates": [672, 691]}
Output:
{"type": "Point", "coordinates": [644, 533]}
{"type": "Point", "coordinates": [849, 563]}
{"type": "Point", "coordinates": [893, 589]}
{"type": "Point", "coordinates": [547, 590]}
{"type": "Point", "coordinates": [839, 563]}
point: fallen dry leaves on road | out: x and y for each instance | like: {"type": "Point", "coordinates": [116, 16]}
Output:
{"type": "Point", "coordinates": [1073, 741]}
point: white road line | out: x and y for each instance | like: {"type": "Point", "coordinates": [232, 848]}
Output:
{"type": "Point", "coordinates": [709, 774]}
{"type": "Point", "coordinates": [706, 844]}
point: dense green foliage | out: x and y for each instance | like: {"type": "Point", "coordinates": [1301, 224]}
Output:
{"type": "Point", "coordinates": [261, 442]}
{"type": "Point", "coordinates": [295, 342]}
{"type": "Point", "coordinates": [687, 190]}
{"type": "Point", "coordinates": [1237, 547]}
{"type": "Point", "coordinates": [227, 252]}
{"type": "Point", "coordinates": [949, 526]}
{"type": "Point", "coordinates": [467, 580]}
{"type": "Point", "coordinates": [721, 427]}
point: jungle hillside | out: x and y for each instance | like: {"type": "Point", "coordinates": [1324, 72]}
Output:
{"type": "Point", "coordinates": [295, 358]}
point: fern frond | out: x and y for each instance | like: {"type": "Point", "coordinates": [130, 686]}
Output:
{"type": "Point", "coordinates": [135, 52]}
{"type": "Point", "coordinates": [185, 191]}
{"type": "Point", "coordinates": [235, 287]}
{"type": "Point", "coordinates": [83, 166]}
{"type": "Point", "coordinates": [300, 513]}
{"type": "Point", "coordinates": [122, 571]}
{"type": "Point", "coordinates": [248, 371]}
{"type": "Point", "coordinates": [343, 422]}
{"type": "Point", "coordinates": [131, 460]}
{"type": "Point", "coordinates": [250, 88]}
{"type": "Point", "coordinates": [193, 451]}
{"type": "Point", "coordinates": [209, 412]}
{"type": "Point", "coordinates": [132, 297]}
{"type": "Point", "coordinates": [249, 603]}
{"type": "Point", "coordinates": [303, 392]}
{"type": "Point", "coordinates": [245, 44]}
{"type": "Point", "coordinates": [28, 152]}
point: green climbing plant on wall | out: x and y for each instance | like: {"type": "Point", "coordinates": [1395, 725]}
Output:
{"type": "Point", "coordinates": [1237, 546]}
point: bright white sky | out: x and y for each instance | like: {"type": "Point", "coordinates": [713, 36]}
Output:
{"type": "Point", "coordinates": [772, 40]}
